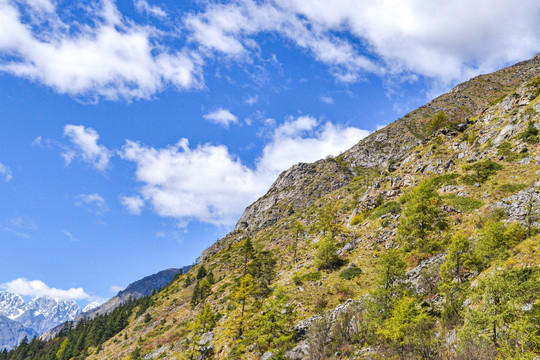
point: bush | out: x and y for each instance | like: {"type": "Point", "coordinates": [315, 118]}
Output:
{"type": "Point", "coordinates": [438, 121]}
{"type": "Point", "coordinates": [530, 135]}
{"type": "Point", "coordinates": [463, 203]}
{"type": "Point", "coordinates": [446, 179]}
{"type": "Point", "coordinates": [390, 207]}
{"type": "Point", "coordinates": [483, 170]}
{"type": "Point", "coordinates": [326, 257]}
{"type": "Point", "coordinates": [350, 272]}
{"type": "Point", "coordinates": [505, 149]}
{"type": "Point", "coordinates": [512, 188]}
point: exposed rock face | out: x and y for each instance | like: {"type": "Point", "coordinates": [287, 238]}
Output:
{"type": "Point", "coordinates": [294, 189]}
{"type": "Point", "coordinates": [523, 206]}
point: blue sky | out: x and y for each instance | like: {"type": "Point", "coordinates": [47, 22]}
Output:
{"type": "Point", "coordinates": [134, 133]}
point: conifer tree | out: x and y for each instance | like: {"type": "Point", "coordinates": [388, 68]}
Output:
{"type": "Point", "coordinates": [298, 230]}
{"type": "Point", "coordinates": [247, 288]}
{"type": "Point", "coordinates": [421, 217]}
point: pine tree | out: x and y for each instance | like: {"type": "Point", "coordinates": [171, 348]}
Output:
{"type": "Point", "coordinates": [391, 269]}
{"type": "Point", "coordinates": [298, 230]}
{"type": "Point", "coordinates": [201, 273]}
{"type": "Point", "coordinates": [248, 252]}
{"type": "Point", "coordinates": [262, 269]}
{"type": "Point", "coordinates": [195, 295]}
{"type": "Point", "coordinates": [421, 218]}
{"type": "Point", "coordinates": [247, 288]}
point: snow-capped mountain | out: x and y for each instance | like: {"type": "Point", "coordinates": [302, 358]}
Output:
{"type": "Point", "coordinates": [93, 305]}
{"type": "Point", "coordinates": [11, 305]}
{"type": "Point", "coordinates": [39, 314]}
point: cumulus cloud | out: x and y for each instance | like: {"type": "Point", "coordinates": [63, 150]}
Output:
{"type": "Point", "coordinates": [36, 288]}
{"type": "Point", "coordinates": [95, 201]}
{"type": "Point", "coordinates": [221, 117]}
{"type": "Point", "coordinates": [209, 184]}
{"type": "Point", "coordinates": [5, 172]}
{"type": "Point", "coordinates": [109, 56]}
{"type": "Point", "coordinates": [114, 57]}
{"type": "Point", "coordinates": [205, 182]}
{"type": "Point", "coordinates": [133, 204]}
{"type": "Point", "coordinates": [86, 147]}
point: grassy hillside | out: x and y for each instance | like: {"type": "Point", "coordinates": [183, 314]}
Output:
{"type": "Point", "coordinates": [425, 247]}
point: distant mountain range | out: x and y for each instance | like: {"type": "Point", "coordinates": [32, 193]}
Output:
{"type": "Point", "coordinates": [19, 318]}
{"type": "Point", "coordinates": [45, 316]}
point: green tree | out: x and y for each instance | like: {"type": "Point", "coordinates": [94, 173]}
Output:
{"type": "Point", "coordinates": [298, 230]}
{"type": "Point", "coordinates": [262, 269]}
{"type": "Point", "coordinates": [497, 303]}
{"type": "Point", "coordinates": [495, 239]}
{"type": "Point", "coordinates": [246, 288]}
{"type": "Point", "coordinates": [409, 328]}
{"type": "Point", "coordinates": [201, 273]}
{"type": "Point", "coordinates": [272, 327]}
{"type": "Point", "coordinates": [247, 252]}
{"type": "Point", "coordinates": [328, 221]}
{"type": "Point", "coordinates": [452, 270]}
{"type": "Point", "coordinates": [391, 269]}
{"type": "Point", "coordinates": [421, 218]}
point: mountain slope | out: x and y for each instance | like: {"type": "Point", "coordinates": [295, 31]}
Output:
{"type": "Point", "coordinates": [421, 241]}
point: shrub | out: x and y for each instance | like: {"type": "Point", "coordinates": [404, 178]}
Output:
{"type": "Point", "coordinates": [438, 121]}
{"type": "Point", "coordinates": [390, 207]}
{"type": "Point", "coordinates": [483, 170]}
{"type": "Point", "coordinates": [505, 149]}
{"type": "Point", "coordinates": [512, 188]}
{"type": "Point", "coordinates": [530, 135]}
{"type": "Point", "coordinates": [446, 179]}
{"type": "Point", "coordinates": [350, 272]}
{"type": "Point", "coordinates": [463, 203]}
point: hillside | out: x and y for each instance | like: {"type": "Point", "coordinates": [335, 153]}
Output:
{"type": "Point", "coordinates": [421, 241]}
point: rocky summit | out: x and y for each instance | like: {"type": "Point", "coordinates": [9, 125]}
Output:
{"type": "Point", "coordinates": [422, 241]}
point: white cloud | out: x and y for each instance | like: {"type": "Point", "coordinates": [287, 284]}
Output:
{"type": "Point", "coordinates": [445, 41]}
{"type": "Point", "coordinates": [96, 201]}
{"type": "Point", "coordinates": [221, 117]}
{"type": "Point", "coordinates": [113, 58]}
{"type": "Point", "coordinates": [5, 172]}
{"type": "Point", "coordinates": [69, 235]}
{"type": "Point", "coordinates": [115, 289]}
{"type": "Point", "coordinates": [211, 185]}
{"type": "Point", "coordinates": [133, 204]}
{"type": "Point", "coordinates": [85, 141]}
{"type": "Point", "coordinates": [326, 99]}
{"type": "Point", "coordinates": [27, 287]}
{"type": "Point", "coordinates": [143, 7]}
{"type": "Point", "coordinates": [205, 182]}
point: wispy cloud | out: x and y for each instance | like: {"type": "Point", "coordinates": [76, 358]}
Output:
{"type": "Point", "coordinates": [133, 204]}
{"type": "Point", "coordinates": [27, 287]}
{"type": "Point", "coordinates": [143, 7]}
{"type": "Point", "coordinates": [326, 99]}
{"type": "Point", "coordinates": [5, 172]}
{"type": "Point", "coordinates": [95, 201]}
{"type": "Point", "coordinates": [69, 235]}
